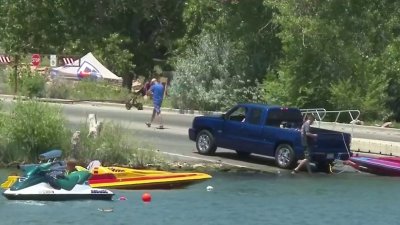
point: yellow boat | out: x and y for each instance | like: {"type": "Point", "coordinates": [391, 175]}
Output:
{"type": "Point", "coordinates": [126, 178]}
{"type": "Point", "coordinates": [9, 182]}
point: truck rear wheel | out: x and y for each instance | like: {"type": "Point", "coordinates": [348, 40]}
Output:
{"type": "Point", "coordinates": [205, 143]}
{"type": "Point", "coordinates": [284, 156]}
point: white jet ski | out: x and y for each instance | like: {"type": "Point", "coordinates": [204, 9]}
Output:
{"type": "Point", "coordinates": [44, 192]}
{"type": "Point", "coordinates": [43, 184]}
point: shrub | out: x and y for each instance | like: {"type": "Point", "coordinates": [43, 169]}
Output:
{"type": "Point", "coordinates": [33, 128]}
{"type": "Point", "coordinates": [2, 137]}
{"type": "Point", "coordinates": [59, 89]}
{"type": "Point", "coordinates": [34, 85]}
{"type": "Point", "coordinates": [114, 146]}
{"type": "Point", "coordinates": [98, 90]}
{"type": "Point", "coordinates": [30, 83]}
{"type": "Point", "coordinates": [5, 88]}
{"type": "Point", "coordinates": [86, 90]}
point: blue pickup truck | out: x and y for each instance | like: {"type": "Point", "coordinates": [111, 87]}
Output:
{"type": "Point", "coordinates": [272, 131]}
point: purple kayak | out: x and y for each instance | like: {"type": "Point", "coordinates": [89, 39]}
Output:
{"type": "Point", "coordinates": [385, 166]}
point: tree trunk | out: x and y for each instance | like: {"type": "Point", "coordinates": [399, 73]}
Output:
{"type": "Point", "coordinates": [127, 81]}
{"type": "Point", "coordinates": [16, 62]}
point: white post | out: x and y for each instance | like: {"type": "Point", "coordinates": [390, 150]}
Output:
{"type": "Point", "coordinates": [94, 126]}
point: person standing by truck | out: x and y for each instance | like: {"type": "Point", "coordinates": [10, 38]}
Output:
{"type": "Point", "coordinates": [157, 91]}
{"type": "Point", "coordinates": [306, 141]}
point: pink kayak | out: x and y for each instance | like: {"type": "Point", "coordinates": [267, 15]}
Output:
{"type": "Point", "coordinates": [385, 166]}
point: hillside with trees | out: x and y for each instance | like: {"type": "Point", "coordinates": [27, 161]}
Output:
{"type": "Point", "coordinates": [304, 53]}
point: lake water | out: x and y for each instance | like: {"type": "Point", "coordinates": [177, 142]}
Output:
{"type": "Point", "coordinates": [237, 198]}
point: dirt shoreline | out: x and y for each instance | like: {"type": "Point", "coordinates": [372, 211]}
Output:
{"type": "Point", "coordinates": [180, 166]}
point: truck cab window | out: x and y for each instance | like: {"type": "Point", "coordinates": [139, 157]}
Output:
{"type": "Point", "coordinates": [254, 117]}
{"type": "Point", "coordinates": [284, 118]}
{"type": "Point", "coordinates": [237, 114]}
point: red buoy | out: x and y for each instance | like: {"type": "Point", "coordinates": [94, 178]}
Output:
{"type": "Point", "coordinates": [146, 197]}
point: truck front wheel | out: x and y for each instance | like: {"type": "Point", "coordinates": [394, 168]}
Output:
{"type": "Point", "coordinates": [285, 157]}
{"type": "Point", "coordinates": [205, 143]}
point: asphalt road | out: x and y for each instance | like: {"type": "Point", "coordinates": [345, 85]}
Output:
{"type": "Point", "coordinates": [179, 123]}
{"type": "Point", "coordinates": [174, 141]}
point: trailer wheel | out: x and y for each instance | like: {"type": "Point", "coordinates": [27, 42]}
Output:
{"type": "Point", "coordinates": [205, 143]}
{"type": "Point", "coordinates": [284, 156]}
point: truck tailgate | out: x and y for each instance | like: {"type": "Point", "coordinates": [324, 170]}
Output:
{"type": "Point", "coordinates": [332, 145]}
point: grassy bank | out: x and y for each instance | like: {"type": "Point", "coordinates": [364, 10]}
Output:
{"type": "Point", "coordinates": [32, 128]}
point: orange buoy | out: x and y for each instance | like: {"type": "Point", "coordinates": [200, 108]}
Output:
{"type": "Point", "coordinates": [146, 197]}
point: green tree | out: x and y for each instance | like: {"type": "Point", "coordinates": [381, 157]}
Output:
{"type": "Point", "coordinates": [211, 76]}
{"type": "Point", "coordinates": [247, 24]}
{"type": "Point", "coordinates": [391, 71]}
{"type": "Point", "coordinates": [119, 60]}
{"type": "Point", "coordinates": [332, 49]}
{"type": "Point", "coordinates": [148, 30]}
{"type": "Point", "coordinates": [31, 26]}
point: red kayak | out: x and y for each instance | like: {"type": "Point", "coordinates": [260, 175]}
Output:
{"type": "Point", "coordinates": [385, 166]}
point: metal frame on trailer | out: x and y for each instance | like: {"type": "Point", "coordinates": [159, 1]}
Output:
{"type": "Point", "coordinates": [320, 113]}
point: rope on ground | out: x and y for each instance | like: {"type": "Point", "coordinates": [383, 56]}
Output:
{"type": "Point", "coordinates": [340, 163]}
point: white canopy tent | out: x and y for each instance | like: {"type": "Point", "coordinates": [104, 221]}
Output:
{"type": "Point", "coordinates": [87, 66]}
